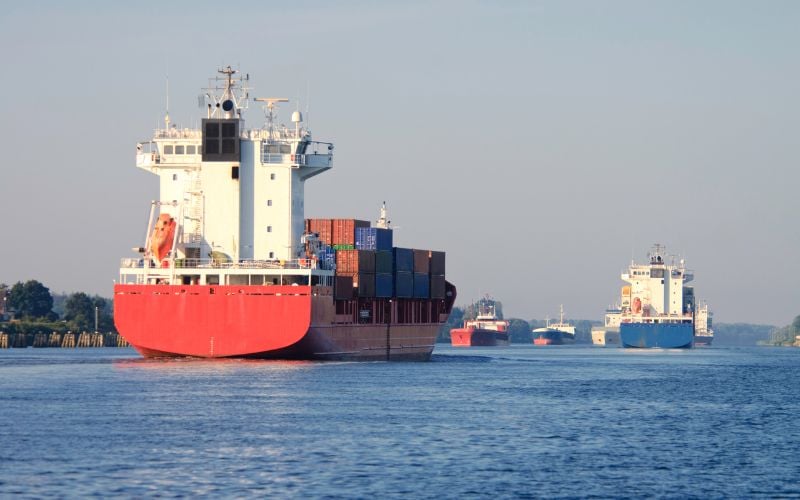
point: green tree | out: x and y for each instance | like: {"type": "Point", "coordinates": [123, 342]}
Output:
{"type": "Point", "coordinates": [31, 300]}
{"type": "Point", "coordinates": [519, 331]}
{"type": "Point", "coordinates": [79, 310]}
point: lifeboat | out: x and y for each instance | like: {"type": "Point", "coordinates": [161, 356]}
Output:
{"type": "Point", "coordinates": [163, 234]}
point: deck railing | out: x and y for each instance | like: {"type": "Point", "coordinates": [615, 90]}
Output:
{"type": "Point", "coordinates": [221, 264]}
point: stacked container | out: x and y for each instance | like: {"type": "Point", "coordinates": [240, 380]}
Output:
{"type": "Point", "coordinates": [373, 238]}
{"type": "Point", "coordinates": [437, 261]}
{"type": "Point", "coordinates": [422, 281]}
{"type": "Point", "coordinates": [384, 279]}
{"type": "Point", "coordinates": [323, 227]}
{"type": "Point", "coordinates": [344, 231]}
{"type": "Point", "coordinates": [327, 258]}
{"type": "Point", "coordinates": [360, 265]}
{"type": "Point", "coordinates": [403, 267]}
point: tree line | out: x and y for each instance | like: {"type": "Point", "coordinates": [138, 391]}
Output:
{"type": "Point", "coordinates": [787, 335]}
{"type": "Point", "coordinates": [29, 307]}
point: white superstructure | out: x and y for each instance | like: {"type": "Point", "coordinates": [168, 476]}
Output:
{"type": "Point", "coordinates": [561, 325]}
{"type": "Point", "coordinates": [656, 292]}
{"type": "Point", "coordinates": [236, 194]}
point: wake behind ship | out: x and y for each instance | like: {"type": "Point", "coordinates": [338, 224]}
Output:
{"type": "Point", "coordinates": [231, 267]}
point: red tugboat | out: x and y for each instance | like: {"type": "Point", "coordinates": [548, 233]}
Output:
{"type": "Point", "coordinates": [231, 268]}
{"type": "Point", "coordinates": [487, 329]}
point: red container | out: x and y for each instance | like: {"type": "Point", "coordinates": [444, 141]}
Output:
{"type": "Point", "coordinates": [422, 261]}
{"type": "Point", "coordinates": [344, 230]}
{"type": "Point", "coordinates": [355, 261]}
{"type": "Point", "coordinates": [323, 227]}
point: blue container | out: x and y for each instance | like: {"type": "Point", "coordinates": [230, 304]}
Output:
{"type": "Point", "coordinates": [373, 238]}
{"type": "Point", "coordinates": [663, 335]}
{"type": "Point", "coordinates": [326, 258]}
{"type": "Point", "coordinates": [422, 286]}
{"type": "Point", "coordinates": [383, 262]}
{"type": "Point", "coordinates": [404, 285]}
{"type": "Point", "coordinates": [403, 261]}
{"type": "Point", "coordinates": [384, 285]}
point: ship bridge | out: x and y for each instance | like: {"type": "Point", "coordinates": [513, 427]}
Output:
{"type": "Point", "coordinates": [232, 193]}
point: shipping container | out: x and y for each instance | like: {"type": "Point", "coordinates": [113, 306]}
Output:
{"type": "Point", "coordinates": [422, 285]}
{"type": "Point", "coordinates": [437, 286]}
{"type": "Point", "coordinates": [323, 228]}
{"type": "Point", "coordinates": [383, 262]}
{"type": "Point", "coordinates": [437, 263]}
{"type": "Point", "coordinates": [344, 230]}
{"type": "Point", "coordinates": [326, 258]}
{"type": "Point", "coordinates": [366, 284]}
{"type": "Point", "coordinates": [344, 247]}
{"type": "Point", "coordinates": [404, 285]}
{"type": "Point", "coordinates": [384, 285]}
{"type": "Point", "coordinates": [343, 289]}
{"type": "Point", "coordinates": [422, 261]}
{"type": "Point", "coordinates": [355, 261]}
{"type": "Point", "coordinates": [373, 238]}
{"type": "Point", "coordinates": [403, 260]}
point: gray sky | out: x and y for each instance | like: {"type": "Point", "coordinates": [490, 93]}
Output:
{"type": "Point", "coordinates": [542, 145]}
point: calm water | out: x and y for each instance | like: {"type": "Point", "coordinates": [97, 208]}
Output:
{"type": "Point", "coordinates": [513, 422]}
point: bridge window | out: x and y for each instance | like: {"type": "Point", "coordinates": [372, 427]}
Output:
{"type": "Point", "coordinates": [269, 229]}
{"type": "Point", "coordinates": [272, 177]}
{"type": "Point", "coordinates": [179, 149]}
{"type": "Point", "coordinates": [168, 149]}
{"type": "Point", "coordinates": [190, 150]}
{"type": "Point", "coordinates": [269, 203]}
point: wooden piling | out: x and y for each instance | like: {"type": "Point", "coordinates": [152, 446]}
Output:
{"type": "Point", "coordinates": [20, 341]}
{"type": "Point", "coordinates": [3, 340]}
{"type": "Point", "coordinates": [40, 340]}
{"type": "Point", "coordinates": [97, 340]}
{"type": "Point", "coordinates": [68, 340]}
{"type": "Point", "coordinates": [54, 340]}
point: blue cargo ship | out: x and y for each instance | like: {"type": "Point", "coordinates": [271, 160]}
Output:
{"type": "Point", "coordinates": [658, 308]}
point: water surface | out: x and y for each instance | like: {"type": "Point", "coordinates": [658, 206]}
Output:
{"type": "Point", "coordinates": [521, 421]}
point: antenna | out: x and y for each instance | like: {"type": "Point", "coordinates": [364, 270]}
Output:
{"type": "Point", "coordinates": [269, 111]}
{"type": "Point", "coordinates": [308, 104]}
{"type": "Point", "coordinates": [166, 116]}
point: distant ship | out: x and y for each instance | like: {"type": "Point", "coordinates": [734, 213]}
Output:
{"type": "Point", "coordinates": [658, 307]}
{"type": "Point", "coordinates": [487, 329]}
{"type": "Point", "coordinates": [232, 268]}
{"type": "Point", "coordinates": [608, 334]}
{"type": "Point", "coordinates": [555, 333]}
{"type": "Point", "coordinates": [703, 332]}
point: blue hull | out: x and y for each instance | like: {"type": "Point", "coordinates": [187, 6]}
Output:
{"type": "Point", "coordinates": [662, 335]}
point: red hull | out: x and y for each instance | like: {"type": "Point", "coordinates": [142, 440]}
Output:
{"type": "Point", "coordinates": [469, 337]}
{"type": "Point", "coordinates": [543, 341]}
{"type": "Point", "coordinates": [280, 322]}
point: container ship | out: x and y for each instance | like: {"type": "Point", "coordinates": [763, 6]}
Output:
{"type": "Point", "coordinates": [230, 266]}
{"type": "Point", "coordinates": [658, 308]}
{"type": "Point", "coordinates": [703, 331]}
{"type": "Point", "coordinates": [487, 329]}
{"type": "Point", "coordinates": [554, 333]}
{"type": "Point", "coordinates": [608, 334]}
